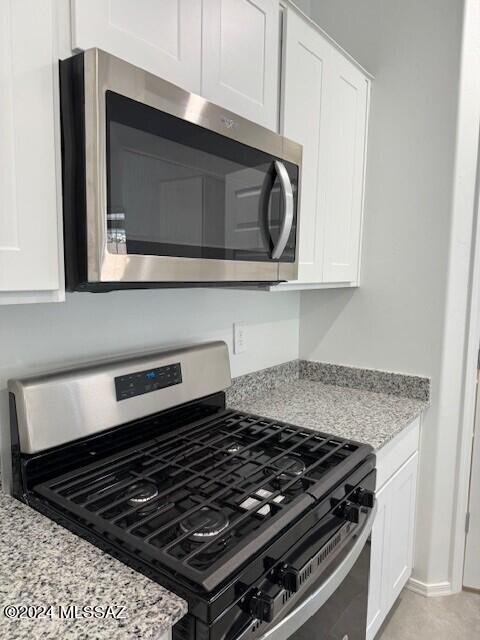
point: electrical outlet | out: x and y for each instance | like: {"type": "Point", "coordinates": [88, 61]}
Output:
{"type": "Point", "coordinates": [239, 337]}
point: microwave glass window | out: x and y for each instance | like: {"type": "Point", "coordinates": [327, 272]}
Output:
{"type": "Point", "coordinates": [177, 189]}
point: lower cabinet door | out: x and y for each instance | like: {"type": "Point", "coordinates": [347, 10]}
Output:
{"type": "Point", "coordinates": [402, 523]}
{"type": "Point", "coordinates": [392, 543]}
{"type": "Point", "coordinates": [380, 554]}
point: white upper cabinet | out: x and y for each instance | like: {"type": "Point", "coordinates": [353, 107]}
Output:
{"type": "Point", "coordinates": [29, 130]}
{"type": "Point", "coordinates": [240, 57]}
{"type": "Point", "coordinates": [224, 50]}
{"type": "Point", "coordinates": [161, 36]}
{"type": "Point", "coordinates": [325, 107]}
{"type": "Point", "coordinates": [345, 160]}
{"type": "Point", "coordinates": [305, 120]}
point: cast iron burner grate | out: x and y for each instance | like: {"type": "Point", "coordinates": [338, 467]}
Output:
{"type": "Point", "coordinates": [205, 499]}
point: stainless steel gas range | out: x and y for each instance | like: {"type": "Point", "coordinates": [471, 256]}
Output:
{"type": "Point", "coordinates": [263, 527]}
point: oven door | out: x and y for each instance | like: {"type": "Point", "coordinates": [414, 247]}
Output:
{"type": "Point", "coordinates": [180, 190]}
{"type": "Point", "coordinates": [335, 606]}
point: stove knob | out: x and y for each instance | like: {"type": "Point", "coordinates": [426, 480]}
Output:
{"type": "Point", "coordinates": [364, 498]}
{"type": "Point", "coordinates": [351, 513]}
{"type": "Point", "coordinates": [289, 578]}
{"type": "Point", "coordinates": [260, 606]}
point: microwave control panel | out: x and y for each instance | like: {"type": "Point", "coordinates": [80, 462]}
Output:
{"type": "Point", "coordinates": [140, 382]}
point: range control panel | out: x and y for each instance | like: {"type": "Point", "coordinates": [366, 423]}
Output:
{"type": "Point", "coordinates": [140, 382]}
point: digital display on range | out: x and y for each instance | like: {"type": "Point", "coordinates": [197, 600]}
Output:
{"type": "Point", "coordinates": [140, 382]}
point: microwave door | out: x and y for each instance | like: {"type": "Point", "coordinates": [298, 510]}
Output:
{"type": "Point", "coordinates": [247, 211]}
{"type": "Point", "coordinates": [260, 209]}
{"type": "Point", "coordinates": [185, 196]}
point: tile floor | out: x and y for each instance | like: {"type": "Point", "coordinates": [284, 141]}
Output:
{"type": "Point", "coordinates": [448, 618]}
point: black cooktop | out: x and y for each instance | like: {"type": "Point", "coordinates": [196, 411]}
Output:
{"type": "Point", "coordinates": [203, 500]}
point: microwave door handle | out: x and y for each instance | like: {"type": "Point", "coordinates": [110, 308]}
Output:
{"type": "Point", "coordinates": [287, 222]}
{"type": "Point", "coordinates": [296, 618]}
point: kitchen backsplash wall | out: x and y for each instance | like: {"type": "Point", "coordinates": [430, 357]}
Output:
{"type": "Point", "coordinates": [40, 337]}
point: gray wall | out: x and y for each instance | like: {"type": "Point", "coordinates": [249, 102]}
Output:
{"type": "Point", "coordinates": [305, 6]}
{"type": "Point", "coordinates": [395, 320]}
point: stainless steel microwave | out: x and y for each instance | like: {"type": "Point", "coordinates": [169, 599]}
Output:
{"type": "Point", "coordinates": [163, 188]}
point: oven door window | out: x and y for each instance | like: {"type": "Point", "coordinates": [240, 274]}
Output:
{"type": "Point", "coordinates": [177, 189]}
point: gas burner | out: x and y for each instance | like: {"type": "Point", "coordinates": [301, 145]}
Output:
{"type": "Point", "coordinates": [290, 467]}
{"type": "Point", "coordinates": [233, 447]}
{"type": "Point", "coordinates": [141, 493]}
{"type": "Point", "coordinates": [206, 523]}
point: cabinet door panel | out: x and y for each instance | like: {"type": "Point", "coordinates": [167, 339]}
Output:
{"type": "Point", "coordinates": [379, 568]}
{"type": "Point", "coordinates": [161, 37]}
{"type": "Point", "coordinates": [392, 543]}
{"type": "Point", "coordinates": [305, 120]}
{"type": "Point", "coordinates": [28, 208]}
{"type": "Point", "coordinates": [348, 92]}
{"type": "Point", "coordinates": [240, 57]}
{"type": "Point", "coordinates": [402, 527]}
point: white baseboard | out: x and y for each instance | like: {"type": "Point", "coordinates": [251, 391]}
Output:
{"type": "Point", "coordinates": [433, 590]}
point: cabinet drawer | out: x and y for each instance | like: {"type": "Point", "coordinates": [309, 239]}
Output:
{"type": "Point", "coordinates": [396, 452]}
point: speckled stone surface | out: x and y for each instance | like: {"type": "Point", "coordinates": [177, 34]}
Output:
{"type": "Point", "coordinates": [367, 416]}
{"type": "Point", "coordinates": [262, 381]}
{"type": "Point", "coordinates": [368, 379]}
{"type": "Point", "coordinates": [41, 563]}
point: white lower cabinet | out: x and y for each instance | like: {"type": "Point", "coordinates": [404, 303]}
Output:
{"type": "Point", "coordinates": [392, 537]}
{"type": "Point", "coordinates": [378, 564]}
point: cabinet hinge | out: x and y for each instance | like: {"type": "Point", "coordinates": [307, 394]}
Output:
{"type": "Point", "coordinates": [467, 522]}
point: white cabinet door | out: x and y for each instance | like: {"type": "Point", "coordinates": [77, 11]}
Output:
{"type": "Point", "coordinates": [29, 235]}
{"type": "Point", "coordinates": [240, 57]}
{"type": "Point", "coordinates": [305, 119]}
{"type": "Point", "coordinates": [392, 543]}
{"type": "Point", "coordinates": [471, 573]}
{"type": "Point", "coordinates": [348, 95]}
{"type": "Point", "coordinates": [161, 36]}
{"type": "Point", "coordinates": [325, 108]}
{"type": "Point", "coordinates": [404, 488]}
{"type": "Point", "coordinates": [379, 570]}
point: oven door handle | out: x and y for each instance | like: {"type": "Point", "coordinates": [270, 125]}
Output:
{"type": "Point", "coordinates": [306, 609]}
{"type": "Point", "coordinates": [287, 223]}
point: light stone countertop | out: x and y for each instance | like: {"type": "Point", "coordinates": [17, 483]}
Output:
{"type": "Point", "coordinates": [366, 416]}
{"type": "Point", "coordinates": [41, 563]}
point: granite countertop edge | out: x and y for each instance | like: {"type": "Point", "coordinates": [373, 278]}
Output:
{"type": "Point", "coordinates": [46, 564]}
{"type": "Point", "coordinates": [367, 406]}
